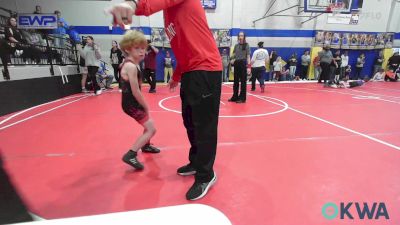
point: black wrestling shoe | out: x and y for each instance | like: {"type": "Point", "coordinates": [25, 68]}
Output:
{"type": "Point", "coordinates": [150, 149]}
{"type": "Point", "coordinates": [130, 159]}
{"type": "Point", "coordinates": [186, 170]}
{"type": "Point", "coordinates": [240, 101]}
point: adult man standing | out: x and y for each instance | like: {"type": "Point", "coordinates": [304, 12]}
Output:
{"type": "Point", "coordinates": [199, 69]}
{"type": "Point", "coordinates": [150, 66]}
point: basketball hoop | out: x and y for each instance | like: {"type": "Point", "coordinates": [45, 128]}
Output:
{"type": "Point", "coordinates": [335, 8]}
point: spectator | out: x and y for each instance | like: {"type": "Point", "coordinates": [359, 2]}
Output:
{"type": "Point", "coordinates": [38, 10]}
{"type": "Point", "coordinates": [317, 67]}
{"type": "Point", "coordinates": [278, 68]}
{"type": "Point", "coordinates": [225, 65]}
{"type": "Point", "coordinates": [378, 63]}
{"type": "Point", "coordinates": [347, 72]}
{"type": "Point", "coordinates": [91, 54]}
{"type": "Point", "coordinates": [394, 61]}
{"type": "Point", "coordinates": [272, 59]}
{"type": "Point", "coordinates": [84, 72]}
{"type": "Point", "coordinates": [61, 32]}
{"type": "Point", "coordinates": [338, 64]}
{"type": "Point", "coordinates": [305, 62]}
{"type": "Point", "coordinates": [150, 66]}
{"type": "Point", "coordinates": [241, 60]}
{"type": "Point", "coordinates": [379, 76]}
{"type": "Point", "coordinates": [292, 66]}
{"type": "Point", "coordinates": [116, 59]}
{"type": "Point", "coordinates": [102, 76]}
{"type": "Point", "coordinates": [391, 75]}
{"type": "Point", "coordinates": [360, 66]}
{"type": "Point", "coordinates": [344, 64]}
{"type": "Point", "coordinates": [168, 69]}
{"type": "Point", "coordinates": [326, 59]}
{"type": "Point", "coordinates": [17, 42]}
{"type": "Point", "coordinates": [39, 49]}
{"type": "Point", "coordinates": [5, 51]}
{"type": "Point", "coordinates": [258, 62]}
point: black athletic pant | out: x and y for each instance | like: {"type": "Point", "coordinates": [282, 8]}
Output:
{"type": "Point", "coordinates": [358, 72]}
{"type": "Point", "coordinates": [12, 208]}
{"type": "Point", "coordinates": [304, 70]}
{"type": "Point", "coordinates": [116, 72]}
{"type": "Point", "coordinates": [200, 96]}
{"type": "Point", "coordinates": [257, 74]}
{"type": "Point", "coordinates": [325, 72]}
{"type": "Point", "coordinates": [92, 71]}
{"type": "Point", "coordinates": [239, 75]}
{"type": "Point", "coordinates": [151, 78]}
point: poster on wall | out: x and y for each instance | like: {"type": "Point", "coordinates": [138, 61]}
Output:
{"type": "Point", "coordinates": [371, 41]}
{"type": "Point", "coordinates": [389, 37]}
{"type": "Point", "coordinates": [346, 40]}
{"type": "Point", "coordinates": [336, 40]}
{"type": "Point", "coordinates": [362, 41]}
{"type": "Point", "coordinates": [319, 39]}
{"type": "Point", "coordinates": [159, 38]}
{"type": "Point", "coordinates": [222, 37]}
{"type": "Point", "coordinates": [354, 41]}
{"type": "Point", "coordinates": [380, 41]}
{"type": "Point", "coordinates": [328, 38]}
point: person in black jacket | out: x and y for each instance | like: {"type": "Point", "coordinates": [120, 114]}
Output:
{"type": "Point", "coordinates": [116, 59]}
{"type": "Point", "coordinates": [12, 207]}
{"type": "Point", "coordinates": [394, 61]}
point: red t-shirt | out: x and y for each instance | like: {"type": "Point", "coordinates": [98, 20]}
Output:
{"type": "Point", "coordinates": [150, 60]}
{"type": "Point", "coordinates": [187, 29]}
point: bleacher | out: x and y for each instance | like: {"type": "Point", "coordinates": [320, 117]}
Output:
{"type": "Point", "coordinates": [46, 53]}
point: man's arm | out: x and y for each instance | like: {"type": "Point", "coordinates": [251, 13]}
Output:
{"type": "Point", "coordinates": [155, 50]}
{"type": "Point", "coordinates": [149, 7]}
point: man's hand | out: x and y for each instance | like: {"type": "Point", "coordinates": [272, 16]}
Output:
{"type": "Point", "coordinates": [123, 13]}
{"type": "Point", "coordinates": [172, 85]}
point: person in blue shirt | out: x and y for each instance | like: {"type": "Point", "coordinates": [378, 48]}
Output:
{"type": "Point", "coordinates": [61, 30]}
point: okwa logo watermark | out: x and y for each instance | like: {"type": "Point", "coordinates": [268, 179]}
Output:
{"type": "Point", "coordinates": [355, 210]}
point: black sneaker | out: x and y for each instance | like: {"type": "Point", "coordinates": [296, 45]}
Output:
{"type": "Point", "coordinates": [199, 190]}
{"type": "Point", "coordinates": [150, 149]}
{"type": "Point", "coordinates": [186, 170]}
{"type": "Point", "coordinates": [152, 91]}
{"type": "Point", "coordinates": [232, 100]}
{"type": "Point", "coordinates": [130, 159]}
{"type": "Point", "coordinates": [240, 101]}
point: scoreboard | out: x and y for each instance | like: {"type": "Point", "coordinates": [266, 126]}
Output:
{"type": "Point", "coordinates": [209, 4]}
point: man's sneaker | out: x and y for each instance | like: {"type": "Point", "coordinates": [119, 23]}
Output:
{"type": "Point", "coordinates": [150, 149]}
{"type": "Point", "coordinates": [232, 100]}
{"type": "Point", "coordinates": [98, 92]}
{"type": "Point", "coordinates": [84, 90]}
{"type": "Point", "coordinates": [152, 91]}
{"type": "Point", "coordinates": [186, 170]}
{"type": "Point", "coordinates": [262, 88]}
{"type": "Point", "coordinates": [199, 190]}
{"type": "Point", "coordinates": [130, 159]}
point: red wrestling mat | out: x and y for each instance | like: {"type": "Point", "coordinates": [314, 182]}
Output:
{"type": "Point", "coordinates": [281, 156]}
